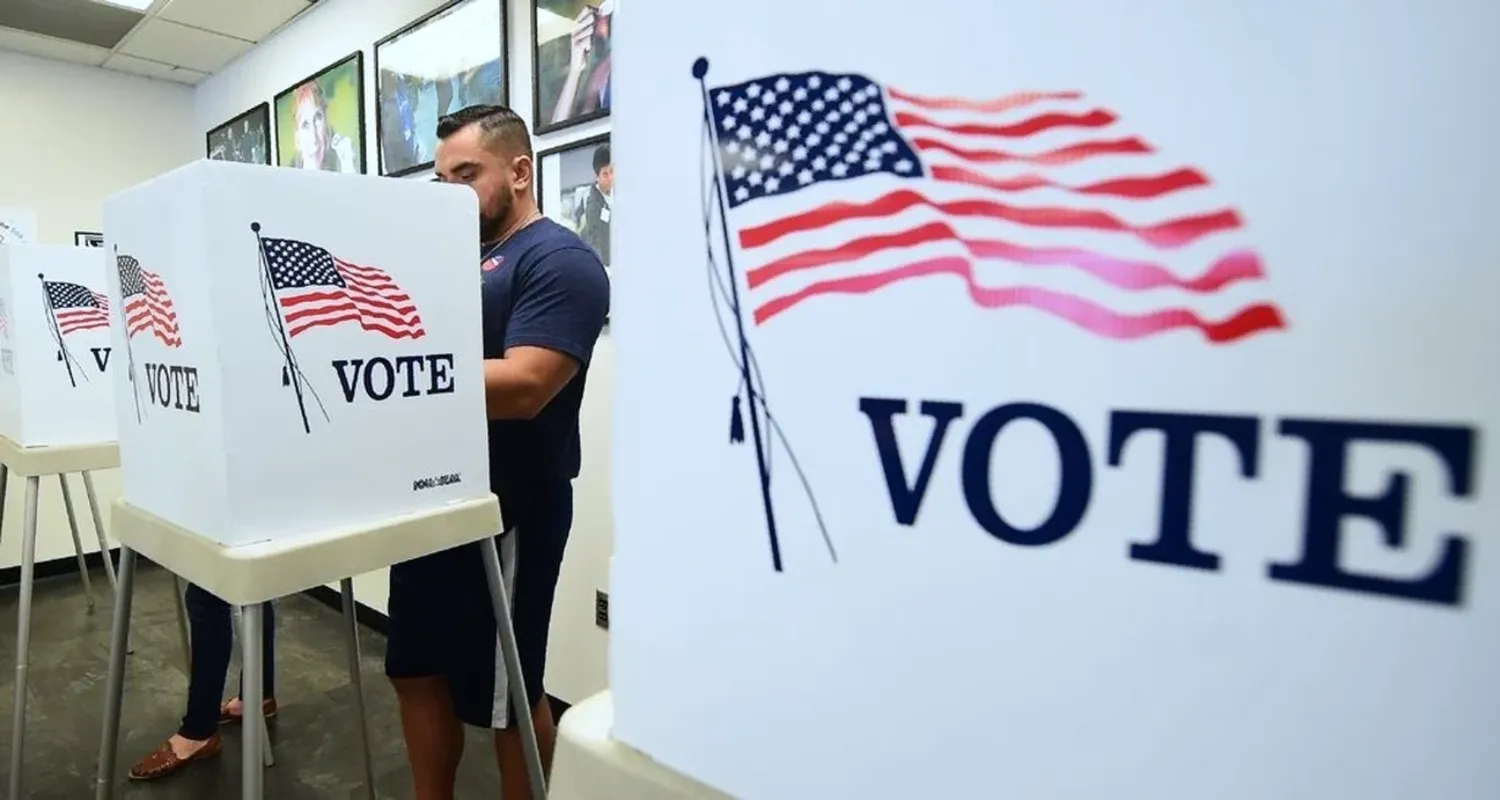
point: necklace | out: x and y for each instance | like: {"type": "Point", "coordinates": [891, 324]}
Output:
{"type": "Point", "coordinates": [490, 251]}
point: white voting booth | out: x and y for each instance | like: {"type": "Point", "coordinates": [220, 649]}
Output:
{"type": "Point", "coordinates": [299, 389]}
{"type": "Point", "coordinates": [56, 406]}
{"type": "Point", "coordinates": [1066, 400]}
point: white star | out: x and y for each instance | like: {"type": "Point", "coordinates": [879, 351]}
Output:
{"type": "Point", "coordinates": [782, 84]}
{"type": "Point", "coordinates": [820, 163]}
{"type": "Point", "coordinates": [840, 170]}
{"type": "Point", "coordinates": [786, 168]}
{"type": "Point", "coordinates": [880, 127]}
{"type": "Point", "coordinates": [740, 105]}
{"type": "Point", "coordinates": [872, 166]}
{"type": "Point", "coordinates": [841, 137]}
{"type": "Point", "coordinates": [742, 194]}
{"type": "Point", "coordinates": [755, 179]}
{"type": "Point", "coordinates": [812, 141]}
{"type": "Point", "coordinates": [904, 165]}
{"type": "Point", "coordinates": [845, 84]}
{"type": "Point", "coordinates": [866, 135]}
{"type": "Point", "coordinates": [800, 153]}
{"type": "Point", "coordinates": [774, 123]}
{"type": "Point", "coordinates": [817, 105]}
{"type": "Point", "coordinates": [889, 147]}
{"type": "Point", "coordinates": [743, 133]}
{"type": "Point", "coordinates": [794, 132]}
{"type": "Point", "coordinates": [851, 127]}
{"type": "Point", "coordinates": [846, 107]}
{"type": "Point", "coordinates": [768, 98]}
{"type": "Point", "coordinates": [785, 107]}
{"type": "Point", "coordinates": [763, 139]}
{"type": "Point", "coordinates": [872, 109]}
{"type": "Point", "coordinates": [729, 123]}
{"type": "Point", "coordinates": [821, 127]}
{"type": "Point", "coordinates": [738, 173]}
{"type": "Point", "coordinates": [805, 177]}
{"type": "Point", "coordinates": [780, 146]}
{"type": "Point", "coordinates": [860, 117]}
{"type": "Point", "coordinates": [757, 114]}
{"type": "Point", "coordinates": [832, 150]}
{"type": "Point", "coordinates": [724, 98]}
{"type": "Point", "coordinates": [859, 147]}
{"type": "Point", "coordinates": [804, 118]}
{"type": "Point", "coordinates": [767, 161]}
{"type": "Point", "coordinates": [814, 82]}
{"type": "Point", "coordinates": [753, 90]}
{"type": "Point", "coordinates": [750, 154]}
{"type": "Point", "coordinates": [772, 184]}
{"type": "Point", "coordinates": [851, 156]}
{"type": "Point", "coordinates": [731, 147]}
{"type": "Point", "coordinates": [830, 94]}
{"type": "Point", "coordinates": [800, 94]}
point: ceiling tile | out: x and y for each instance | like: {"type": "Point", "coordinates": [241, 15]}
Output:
{"type": "Point", "coordinates": [252, 21]}
{"type": "Point", "coordinates": [170, 43]}
{"type": "Point", "coordinates": [190, 77]}
{"type": "Point", "coordinates": [139, 66]}
{"type": "Point", "coordinates": [47, 47]}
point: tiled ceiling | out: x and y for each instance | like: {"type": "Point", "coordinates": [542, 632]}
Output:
{"type": "Point", "coordinates": [175, 40]}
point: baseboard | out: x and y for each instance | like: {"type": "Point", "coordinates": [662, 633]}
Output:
{"type": "Point", "coordinates": [380, 623]}
{"type": "Point", "coordinates": [57, 567]}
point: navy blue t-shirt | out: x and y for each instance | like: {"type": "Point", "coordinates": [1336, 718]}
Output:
{"type": "Point", "coordinates": [548, 290]}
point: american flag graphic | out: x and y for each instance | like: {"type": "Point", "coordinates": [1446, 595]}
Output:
{"type": "Point", "coordinates": [316, 288]}
{"type": "Point", "coordinates": [148, 307]}
{"type": "Point", "coordinates": [76, 307]}
{"type": "Point", "coordinates": [838, 185]}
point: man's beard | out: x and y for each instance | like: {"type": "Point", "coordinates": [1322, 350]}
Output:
{"type": "Point", "coordinates": [492, 226]}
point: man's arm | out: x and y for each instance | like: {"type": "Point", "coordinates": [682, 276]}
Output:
{"type": "Point", "coordinates": [558, 313]}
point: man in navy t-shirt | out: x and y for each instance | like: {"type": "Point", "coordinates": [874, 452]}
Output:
{"type": "Point", "coordinates": [546, 297]}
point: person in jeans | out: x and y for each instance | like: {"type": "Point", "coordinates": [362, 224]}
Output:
{"type": "Point", "coordinates": [211, 629]}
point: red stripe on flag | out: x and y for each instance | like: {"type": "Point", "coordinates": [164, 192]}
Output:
{"type": "Point", "coordinates": [1098, 118]}
{"type": "Point", "coordinates": [1017, 100]}
{"type": "Point", "coordinates": [1136, 188]}
{"type": "Point", "coordinates": [1097, 319]}
{"type": "Point", "coordinates": [1070, 154]}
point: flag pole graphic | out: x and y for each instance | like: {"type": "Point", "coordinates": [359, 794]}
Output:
{"type": "Point", "coordinates": [62, 349]}
{"type": "Point", "coordinates": [747, 377]}
{"type": "Point", "coordinates": [289, 372]}
{"type": "Point", "coordinates": [135, 388]}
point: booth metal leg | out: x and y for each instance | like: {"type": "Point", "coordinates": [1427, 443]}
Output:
{"type": "Point", "coordinates": [83, 563]}
{"type": "Point", "coordinates": [494, 572]}
{"type": "Point", "coordinates": [253, 777]}
{"type": "Point", "coordinates": [23, 635]}
{"type": "Point", "coordinates": [179, 606]}
{"type": "Point", "coordinates": [109, 564]}
{"type": "Point", "coordinates": [265, 727]}
{"type": "Point", "coordinates": [351, 628]}
{"type": "Point", "coordinates": [4, 484]}
{"type": "Point", "coordinates": [114, 692]}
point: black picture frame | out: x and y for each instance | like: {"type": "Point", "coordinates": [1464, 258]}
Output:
{"type": "Point", "coordinates": [88, 239]}
{"type": "Point", "coordinates": [258, 116]}
{"type": "Point", "coordinates": [415, 28]}
{"type": "Point", "coordinates": [358, 57]}
{"type": "Point", "coordinates": [542, 122]}
{"type": "Point", "coordinates": [560, 151]}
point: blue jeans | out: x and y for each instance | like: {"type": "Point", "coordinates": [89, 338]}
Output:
{"type": "Point", "coordinates": [211, 628]}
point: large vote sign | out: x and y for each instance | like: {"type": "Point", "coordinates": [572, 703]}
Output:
{"type": "Point", "coordinates": [1060, 400]}
{"type": "Point", "coordinates": [55, 354]}
{"type": "Point", "coordinates": [296, 351]}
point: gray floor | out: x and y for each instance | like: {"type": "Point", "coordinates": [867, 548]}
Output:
{"type": "Point", "coordinates": [315, 735]}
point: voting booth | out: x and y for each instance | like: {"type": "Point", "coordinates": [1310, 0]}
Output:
{"type": "Point", "coordinates": [299, 393]}
{"type": "Point", "coordinates": [1069, 400]}
{"type": "Point", "coordinates": [55, 354]}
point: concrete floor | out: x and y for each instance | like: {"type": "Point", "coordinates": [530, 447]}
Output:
{"type": "Point", "coordinates": [315, 735]}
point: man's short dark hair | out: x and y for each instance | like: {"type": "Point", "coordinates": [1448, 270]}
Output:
{"type": "Point", "coordinates": [498, 125]}
{"type": "Point", "coordinates": [601, 158]}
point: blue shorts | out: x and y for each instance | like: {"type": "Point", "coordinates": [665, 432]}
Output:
{"type": "Point", "coordinates": [442, 622]}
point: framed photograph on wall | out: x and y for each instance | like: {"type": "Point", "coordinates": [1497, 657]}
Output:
{"type": "Point", "coordinates": [575, 186]}
{"type": "Point", "coordinates": [449, 59]}
{"type": "Point", "coordinates": [246, 138]}
{"type": "Point", "coordinates": [88, 239]}
{"type": "Point", "coordinates": [570, 61]}
{"type": "Point", "coordinates": [320, 120]}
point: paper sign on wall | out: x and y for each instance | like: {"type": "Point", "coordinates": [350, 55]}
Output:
{"type": "Point", "coordinates": [325, 372]}
{"type": "Point", "coordinates": [17, 225]}
{"type": "Point", "coordinates": [1057, 404]}
{"type": "Point", "coordinates": [55, 354]}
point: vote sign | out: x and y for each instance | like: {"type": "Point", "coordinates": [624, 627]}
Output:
{"type": "Point", "coordinates": [298, 351]}
{"type": "Point", "coordinates": [1048, 401]}
{"type": "Point", "coordinates": [55, 355]}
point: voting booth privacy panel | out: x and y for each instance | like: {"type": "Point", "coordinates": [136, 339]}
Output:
{"type": "Point", "coordinates": [55, 355]}
{"type": "Point", "coordinates": [296, 349]}
{"type": "Point", "coordinates": [1063, 398]}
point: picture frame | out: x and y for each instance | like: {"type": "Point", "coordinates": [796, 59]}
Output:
{"type": "Point", "coordinates": [570, 84]}
{"type": "Point", "coordinates": [88, 239]}
{"type": "Point", "coordinates": [324, 114]}
{"type": "Point", "coordinates": [449, 58]}
{"type": "Point", "coordinates": [573, 193]}
{"type": "Point", "coordinates": [246, 138]}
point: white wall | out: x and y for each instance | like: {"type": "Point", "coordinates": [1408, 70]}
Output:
{"type": "Point", "coordinates": [70, 136]}
{"type": "Point", "coordinates": [576, 664]}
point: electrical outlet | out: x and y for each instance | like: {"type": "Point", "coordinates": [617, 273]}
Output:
{"type": "Point", "coordinates": [601, 609]}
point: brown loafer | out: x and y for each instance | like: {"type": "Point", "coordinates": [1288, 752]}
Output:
{"type": "Point", "coordinates": [162, 762]}
{"type": "Point", "coordinates": [226, 717]}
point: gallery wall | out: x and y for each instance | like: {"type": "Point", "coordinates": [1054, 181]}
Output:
{"type": "Point", "coordinates": [577, 658]}
{"type": "Point", "coordinates": [105, 131]}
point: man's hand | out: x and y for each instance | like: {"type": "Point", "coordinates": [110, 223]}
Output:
{"type": "Point", "coordinates": [522, 383]}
